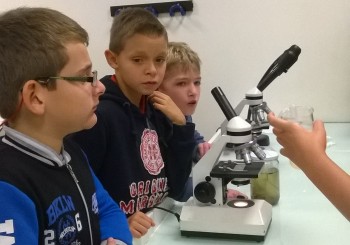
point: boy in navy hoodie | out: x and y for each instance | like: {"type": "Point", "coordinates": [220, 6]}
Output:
{"type": "Point", "coordinates": [49, 194]}
{"type": "Point", "coordinates": [141, 147]}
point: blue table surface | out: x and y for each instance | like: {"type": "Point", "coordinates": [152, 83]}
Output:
{"type": "Point", "coordinates": [302, 216]}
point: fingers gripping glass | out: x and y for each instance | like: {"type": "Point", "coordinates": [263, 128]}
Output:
{"type": "Point", "coordinates": [90, 79]}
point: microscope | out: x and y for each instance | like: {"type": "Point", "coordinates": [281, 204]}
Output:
{"type": "Point", "coordinates": [235, 157]}
{"type": "Point", "coordinates": [209, 212]}
{"type": "Point", "coordinates": [254, 97]}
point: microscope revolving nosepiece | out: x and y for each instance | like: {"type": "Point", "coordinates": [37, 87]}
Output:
{"type": "Point", "coordinates": [258, 151]}
{"type": "Point", "coordinates": [244, 154]}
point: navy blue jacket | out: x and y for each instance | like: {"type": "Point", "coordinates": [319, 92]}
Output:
{"type": "Point", "coordinates": [139, 157]}
{"type": "Point", "coordinates": [198, 138]}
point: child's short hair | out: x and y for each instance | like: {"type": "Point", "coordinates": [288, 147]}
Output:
{"type": "Point", "coordinates": [32, 45]}
{"type": "Point", "coordinates": [131, 21]}
{"type": "Point", "coordinates": [180, 54]}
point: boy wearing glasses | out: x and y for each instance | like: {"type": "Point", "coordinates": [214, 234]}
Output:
{"type": "Point", "coordinates": [141, 148]}
{"type": "Point", "coordinates": [49, 195]}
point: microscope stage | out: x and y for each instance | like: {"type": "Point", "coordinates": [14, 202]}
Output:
{"type": "Point", "coordinates": [244, 223]}
{"type": "Point", "coordinates": [232, 169]}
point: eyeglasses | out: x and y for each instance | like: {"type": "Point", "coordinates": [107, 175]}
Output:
{"type": "Point", "coordinates": [93, 79]}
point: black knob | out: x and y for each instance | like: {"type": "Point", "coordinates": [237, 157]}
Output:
{"type": "Point", "coordinates": [205, 192]}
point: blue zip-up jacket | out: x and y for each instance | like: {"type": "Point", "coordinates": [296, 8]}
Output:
{"type": "Point", "coordinates": [48, 198]}
{"type": "Point", "coordinates": [139, 157]}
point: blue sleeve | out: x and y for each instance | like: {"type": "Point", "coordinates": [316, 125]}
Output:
{"type": "Point", "coordinates": [18, 219]}
{"type": "Point", "coordinates": [113, 221]}
{"type": "Point", "coordinates": [198, 138]}
{"type": "Point", "coordinates": [179, 158]}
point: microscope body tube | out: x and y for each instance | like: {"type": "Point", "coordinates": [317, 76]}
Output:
{"type": "Point", "coordinates": [280, 65]}
{"type": "Point", "coordinates": [224, 104]}
{"type": "Point", "coordinates": [236, 126]}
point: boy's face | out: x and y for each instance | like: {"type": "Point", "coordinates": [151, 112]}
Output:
{"type": "Point", "coordinates": [140, 66]}
{"type": "Point", "coordinates": [183, 86]}
{"type": "Point", "coordinates": [71, 106]}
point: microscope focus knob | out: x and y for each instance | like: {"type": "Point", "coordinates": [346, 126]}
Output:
{"type": "Point", "coordinates": [205, 192]}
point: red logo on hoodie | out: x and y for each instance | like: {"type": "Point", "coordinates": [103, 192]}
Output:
{"type": "Point", "coordinates": [150, 152]}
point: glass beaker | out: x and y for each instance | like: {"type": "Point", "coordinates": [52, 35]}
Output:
{"type": "Point", "coordinates": [303, 115]}
{"type": "Point", "coordinates": [267, 185]}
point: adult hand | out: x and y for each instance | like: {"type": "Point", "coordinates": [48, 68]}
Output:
{"type": "Point", "coordinates": [300, 145]}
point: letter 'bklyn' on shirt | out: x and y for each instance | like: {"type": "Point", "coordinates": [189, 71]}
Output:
{"type": "Point", "coordinates": [48, 198]}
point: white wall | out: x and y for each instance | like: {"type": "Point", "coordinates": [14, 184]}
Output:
{"type": "Point", "coordinates": [237, 41]}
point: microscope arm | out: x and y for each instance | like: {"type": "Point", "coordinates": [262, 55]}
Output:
{"type": "Point", "coordinates": [240, 106]}
{"type": "Point", "coordinates": [201, 172]}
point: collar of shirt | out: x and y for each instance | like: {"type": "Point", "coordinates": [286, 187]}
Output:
{"type": "Point", "coordinates": [34, 148]}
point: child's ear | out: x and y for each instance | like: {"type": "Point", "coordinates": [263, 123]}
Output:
{"type": "Point", "coordinates": [111, 59]}
{"type": "Point", "coordinates": [33, 97]}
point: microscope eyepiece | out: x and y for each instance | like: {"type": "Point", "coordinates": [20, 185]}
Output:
{"type": "Point", "coordinates": [280, 65]}
{"type": "Point", "coordinates": [223, 102]}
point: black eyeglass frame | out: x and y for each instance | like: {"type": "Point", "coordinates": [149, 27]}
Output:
{"type": "Point", "coordinates": [90, 79]}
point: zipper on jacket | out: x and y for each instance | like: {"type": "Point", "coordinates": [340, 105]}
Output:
{"type": "Point", "coordinates": [70, 169]}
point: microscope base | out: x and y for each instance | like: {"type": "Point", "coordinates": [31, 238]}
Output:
{"type": "Point", "coordinates": [250, 223]}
